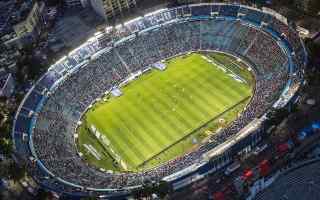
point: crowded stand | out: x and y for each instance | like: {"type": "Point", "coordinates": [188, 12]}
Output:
{"type": "Point", "coordinates": [45, 126]}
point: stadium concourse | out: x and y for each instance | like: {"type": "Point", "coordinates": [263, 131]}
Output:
{"type": "Point", "coordinates": [46, 121]}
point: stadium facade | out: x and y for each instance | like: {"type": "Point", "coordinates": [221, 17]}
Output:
{"type": "Point", "coordinates": [45, 124]}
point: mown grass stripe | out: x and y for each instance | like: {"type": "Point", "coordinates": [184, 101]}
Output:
{"type": "Point", "coordinates": [223, 90]}
{"type": "Point", "coordinates": [142, 127]}
{"type": "Point", "coordinates": [179, 112]}
{"type": "Point", "coordinates": [190, 111]}
{"type": "Point", "coordinates": [168, 118]}
{"type": "Point", "coordinates": [116, 143]}
{"type": "Point", "coordinates": [129, 140]}
{"type": "Point", "coordinates": [155, 125]}
{"type": "Point", "coordinates": [140, 133]}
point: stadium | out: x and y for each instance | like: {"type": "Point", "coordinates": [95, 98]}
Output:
{"type": "Point", "coordinates": [173, 95]}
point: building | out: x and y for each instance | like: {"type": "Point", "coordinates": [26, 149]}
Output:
{"type": "Point", "coordinates": [8, 58]}
{"type": "Point", "coordinates": [303, 5]}
{"type": "Point", "coordinates": [6, 7]}
{"type": "Point", "coordinates": [6, 32]}
{"type": "Point", "coordinates": [30, 22]}
{"type": "Point", "coordinates": [187, 1]}
{"type": "Point", "coordinates": [75, 3]}
{"type": "Point", "coordinates": [6, 84]}
{"type": "Point", "coordinates": [22, 22]}
{"type": "Point", "coordinates": [111, 8]}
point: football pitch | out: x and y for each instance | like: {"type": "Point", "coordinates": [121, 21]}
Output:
{"type": "Point", "coordinates": [163, 114]}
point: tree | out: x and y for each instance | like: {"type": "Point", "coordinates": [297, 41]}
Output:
{"type": "Point", "coordinates": [54, 2]}
{"type": "Point", "coordinates": [314, 7]}
{"type": "Point", "coordinates": [3, 99]}
{"type": "Point", "coordinates": [136, 194]}
{"type": "Point", "coordinates": [147, 190]}
{"type": "Point", "coordinates": [3, 170]}
{"type": "Point", "coordinates": [34, 67]}
{"type": "Point", "coordinates": [6, 146]}
{"type": "Point", "coordinates": [13, 171]}
{"type": "Point", "coordinates": [314, 51]}
{"type": "Point", "coordinates": [43, 194]}
{"type": "Point", "coordinates": [17, 172]}
{"type": "Point", "coordinates": [5, 130]}
{"type": "Point", "coordinates": [20, 73]}
{"type": "Point", "coordinates": [163, 189]}
{"type": "Point", "coordinates": [275, 116]}
{"type": "Point", "coordinates": [5, 125]}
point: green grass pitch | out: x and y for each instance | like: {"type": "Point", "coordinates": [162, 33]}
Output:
{"type": "Point", "coordinates": [145, 126]}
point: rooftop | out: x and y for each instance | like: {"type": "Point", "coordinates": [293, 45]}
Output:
{"type": "Point", "coordinates": [6, 6]}
{"type": "Point", "coordinates": [21, 11]}
{"type": "Point", "coordinates": [3, 78]}
{"type": "Point", "coordinates": [13, 12]}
